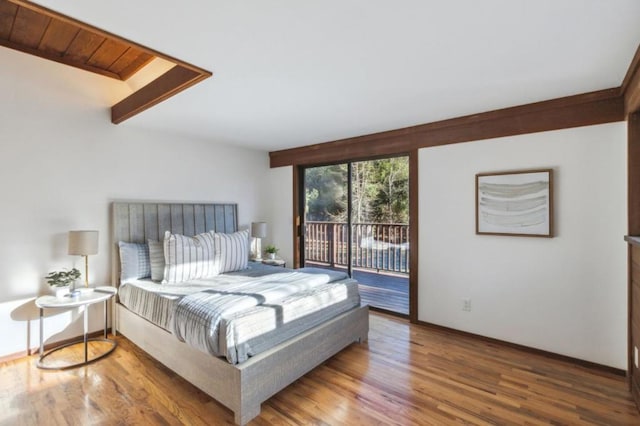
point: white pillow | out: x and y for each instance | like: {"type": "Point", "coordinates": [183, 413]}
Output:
{"type": "Point", "coordinates": [232, 251]}
{"type": "Point", "coordinates": [188, 258]}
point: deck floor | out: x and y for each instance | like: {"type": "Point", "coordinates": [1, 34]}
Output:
{"type": "Point", "coordinates": [384, 291]}
{"type": "Point", "coordinates": [389, 292]}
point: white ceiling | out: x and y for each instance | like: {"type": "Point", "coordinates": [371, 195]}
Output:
{"type": "Point", "coordinates": [292, 72]}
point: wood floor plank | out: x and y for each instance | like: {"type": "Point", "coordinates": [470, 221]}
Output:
{"type": "Point", "coordinates": [405, 374]}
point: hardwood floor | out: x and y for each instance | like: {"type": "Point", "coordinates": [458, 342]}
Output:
{"type": "Point", "coordinates": [405, 374]}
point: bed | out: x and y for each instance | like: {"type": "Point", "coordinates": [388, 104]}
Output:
{"type": "Point", "coordinates": [239, 379]}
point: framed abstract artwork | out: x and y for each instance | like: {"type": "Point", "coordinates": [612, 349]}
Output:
{"type": "Point", "coordinates": [515, 203]}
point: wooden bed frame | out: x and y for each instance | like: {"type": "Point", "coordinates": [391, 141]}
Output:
{"type": "Point", "coordinates": [241, 387]}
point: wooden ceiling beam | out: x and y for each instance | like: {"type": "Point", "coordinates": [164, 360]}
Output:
{"type": "Point", "coordinates": [170, 83]}
{"type": "Point", "coordinates": [599, 107]}
{"type": "Point", "coordinates": [631, 85]}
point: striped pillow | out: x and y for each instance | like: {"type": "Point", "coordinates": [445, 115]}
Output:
{"type": "Point", "coordinates": [156, 258]}
{"type": "Point", "coordinates": [134, 261]}
{"type": "Point", "coordinates": [232, 251]}
{"type": "Point", "coordinates": [188, 258]}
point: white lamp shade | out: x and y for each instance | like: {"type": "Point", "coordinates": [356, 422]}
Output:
{"type": "Point", "coordinates": [83, 243]}
{"type": "Point", "coordinates": [259, 229]}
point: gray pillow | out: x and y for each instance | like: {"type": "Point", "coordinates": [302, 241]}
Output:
{"type": "Point", "coordinates": [134, 261]}
{"type": "Point", "coordinates": [156, 257]}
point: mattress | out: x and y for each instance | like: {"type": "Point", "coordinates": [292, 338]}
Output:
{"type": "Point", "coordinates": [240, 314]}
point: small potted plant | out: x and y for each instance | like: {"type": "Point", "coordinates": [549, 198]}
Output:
{"type": "Point", "coordinates": [60, 281]}
{"type": "Point", "coordinates": [271, 251]}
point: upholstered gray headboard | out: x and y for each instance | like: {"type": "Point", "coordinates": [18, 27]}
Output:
{"type": "Point", "coordinates": [139, 222]}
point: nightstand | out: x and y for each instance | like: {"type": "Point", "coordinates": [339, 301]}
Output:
{"type": "Point", "coordinates": [275, 262]}
{"type": "Point", "coordinates": [100, 294]}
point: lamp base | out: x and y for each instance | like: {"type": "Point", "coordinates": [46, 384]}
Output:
{"type": "Point", "coordinates": [85, 290]}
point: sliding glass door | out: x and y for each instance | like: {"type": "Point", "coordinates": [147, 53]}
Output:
{"type": "Point", "coordinates": [356, 219]}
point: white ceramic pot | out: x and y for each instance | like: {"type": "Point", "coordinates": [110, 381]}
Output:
{"type": "Point", "coordinates": [60, 292]}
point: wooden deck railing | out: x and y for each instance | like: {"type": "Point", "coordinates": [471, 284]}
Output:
{"type": "Point", "coordinates": [383, 247]}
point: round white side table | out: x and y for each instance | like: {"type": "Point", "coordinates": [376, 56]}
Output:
{"type": "Point", "coordinates": [99, 294]}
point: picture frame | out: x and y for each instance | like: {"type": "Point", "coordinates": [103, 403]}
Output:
{"type": "Point", "coordinates": [515, 203]}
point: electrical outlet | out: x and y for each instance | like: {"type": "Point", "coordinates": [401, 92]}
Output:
{"type": "Point", "coordinates": [635, 356]}
{"type": "Point", "coordinates": [466, 305]}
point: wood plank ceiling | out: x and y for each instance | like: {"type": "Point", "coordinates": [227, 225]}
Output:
{"type": "Point", "coordinates": [38, 31]}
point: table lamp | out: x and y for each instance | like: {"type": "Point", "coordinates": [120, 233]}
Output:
{"type": "Point", "coordinates": [83, 243]}
{"type": "Point", "coordinates": [258, 231]}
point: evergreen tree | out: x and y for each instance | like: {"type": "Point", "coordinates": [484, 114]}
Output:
{"type": "Point", "coordinates": [380, 192]}
{"type": "Point", "coordinates": [391, 203]}
{"type": "Point", "coordinates": [326, 193]}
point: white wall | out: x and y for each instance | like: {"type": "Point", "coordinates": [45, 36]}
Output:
{"type": "Point", "coordinates": [566, 294]}
{"type": "Point", "coordinates": [280, 212]}
{"type": "Point", "coordinates": [63, 162]}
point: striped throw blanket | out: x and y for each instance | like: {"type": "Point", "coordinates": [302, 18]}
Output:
{"type": "Point", "coordinates": [244, 318]}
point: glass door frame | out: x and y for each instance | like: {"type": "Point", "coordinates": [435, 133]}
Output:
{"type": "Point", "coordinates": [299, 211]}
